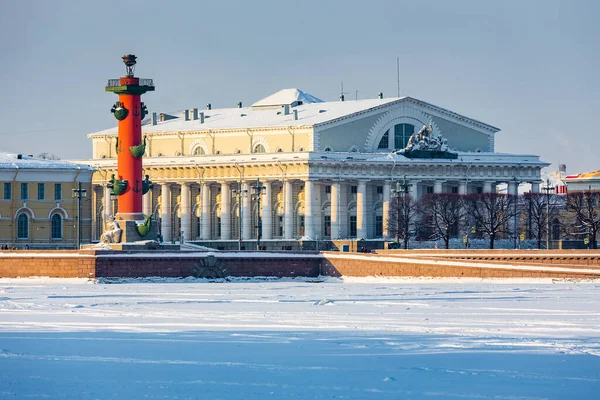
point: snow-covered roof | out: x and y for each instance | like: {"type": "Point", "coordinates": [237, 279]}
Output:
{"type": "Point", "coordinates": [241, 118]}
{"type": "Point", "coordinates": [287, 96]}
{"type": "Point", "coordinates": [9, 160]}
{"type": "Point", "coordinates": [310, 113]}
{"type": "Point", "coordinates": [327, 157]}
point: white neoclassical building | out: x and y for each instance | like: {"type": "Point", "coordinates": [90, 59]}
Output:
{"type": "Point", "coordinates": [326, 168]}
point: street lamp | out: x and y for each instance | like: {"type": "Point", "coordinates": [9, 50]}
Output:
{"type": "Point", "coordinates": [258, 188]}
{"type": "Point", "coordinates": [547, 189]}
{"type": "Point", "coordinates": [239, 194]}
{"type": "Point", "coordinates": [79, 193]}
{"type": "Point", "coordinates": [516, 227]}
{"type": "Point", "coordinates": [401, 189]}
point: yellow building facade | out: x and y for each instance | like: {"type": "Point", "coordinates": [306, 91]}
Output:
{"type": "Point", "coordinates": [37, 207]}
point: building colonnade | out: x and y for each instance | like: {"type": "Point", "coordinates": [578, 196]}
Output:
{"type": "Point", "coordinates": [290, 208]}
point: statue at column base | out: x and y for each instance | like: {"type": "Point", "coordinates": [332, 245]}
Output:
{"type": "Point", "coordinates": [112, 232]}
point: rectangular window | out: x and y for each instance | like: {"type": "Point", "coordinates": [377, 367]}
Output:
{"type": "Point", "coordinates": [479, 190]}
{"type": "Point", "coordinates": [455, 189]}
{"type": "Point", "coordinates": [379, 189]}
{"type": "Point", "coordinates": [280, 225]}
{"type": "Point", "coordinates": [327, 225]}
{"type": "Point", "coordinates": [353, 189]}
{"type": "Point", "coordinates": [24, 191]}
{"type": "Point", "coordinates": [328, 189]}
{"type": "Point", "coordinates": [429, 189]}
{"type": "Point", "coordinates": [353, 226]}
{"type": "Point", "coordinates": [57, 191]}
{"type": "Point", "coordinates": [7, 191]}
{"type": "Point", "coordinates": [378, 226]}
{"type": "Point", "coordinates": [402, 132]}
{"type": "Point", "coordinates": [41, 190]}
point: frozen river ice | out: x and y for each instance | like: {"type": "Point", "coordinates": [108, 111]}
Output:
{"type": "Point", "coordinates": [306, 339]}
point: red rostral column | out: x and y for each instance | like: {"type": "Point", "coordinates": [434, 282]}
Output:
{"type": "Point", "coordinates": [130, 112]}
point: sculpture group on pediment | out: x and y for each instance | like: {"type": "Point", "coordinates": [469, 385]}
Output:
{"type": "Point", "coordinates": [424, 144]}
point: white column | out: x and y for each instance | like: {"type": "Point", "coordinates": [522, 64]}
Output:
{"type": "Point", "coordinates": [437, 187]}
{"type": "Point", "coordinates": [267, 212]}
{"type": "Point", "coordinates": [186, 212]}
{"type": "Point", "coordinates": [147, 203]}
{"type": "Point", "coordinates": [108, 204]}
{"type": "Point", "coordinates": [317, 210]}
{"type": "Point", "coordinates": [462, 188]}
{"type": "Point", "coordinates": [309, 226]}
{"type": "Point", "coordinates": [335, 210]}
{"type": "Point", "coordinates": [386, 207]}
{"type": "Point", "coordinates": [535, 187]}
{"type": "Point", "coordinates": [361, 215]}
{"type": "Point", "coordinates": [513, 188]}
{"type": "Point", "coordinates": [247, 213]}
{"type": "Point", "coordinates": [288, 211]}
{"type": "Point", "coordinates": [205, 216]}
{"type": "Point", "coordinates": [225, 211]}
{"type": "Point", "coordinates": [487, 187]}
{"type": "Point", "coordinates": [165, 211]}
{"type": "Point", "coordinates": [413, 189]}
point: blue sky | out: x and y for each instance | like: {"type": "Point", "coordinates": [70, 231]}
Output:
{"type": "Point", "coordinates": [527, 67]}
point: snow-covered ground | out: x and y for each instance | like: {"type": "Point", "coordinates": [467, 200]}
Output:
{"type": "Point", "coordinates": [369, 338]}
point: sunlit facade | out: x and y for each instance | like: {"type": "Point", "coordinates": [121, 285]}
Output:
{"type": "Point", "coordinates": [327, 169]}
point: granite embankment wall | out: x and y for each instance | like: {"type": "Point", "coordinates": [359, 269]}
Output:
{"type": "Point", "coordinates": [96, 264]}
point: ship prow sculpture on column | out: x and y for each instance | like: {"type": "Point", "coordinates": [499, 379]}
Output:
{"type": "Point", "coordinates": [130, 227]}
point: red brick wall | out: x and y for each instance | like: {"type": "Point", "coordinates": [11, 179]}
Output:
{"type": "Point", "coordinates": [373, 265]}
{"type": "Point", "coordinates": [55, 264]}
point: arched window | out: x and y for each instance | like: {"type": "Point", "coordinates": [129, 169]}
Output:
{"type": "Point", "coordinates": [384, 143]}
{"type": "Point", "coordinates": [22, 226]}
{"type": "Point", "coordinates": [402, 132]}
{"type": "Point", "coordinates": [56, 226]}
{"type": "Point", "coordinates": [328, 148]}
{"type": "Point", "coordinates": [199, 151]}
{"type": "Point", "coordinates": [259, 148]}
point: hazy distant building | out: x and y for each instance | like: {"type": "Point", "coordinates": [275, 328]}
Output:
{"type": "Point", "coordinates": [582, 182]}
{"type": "Point", "coordinates": [328, 168]}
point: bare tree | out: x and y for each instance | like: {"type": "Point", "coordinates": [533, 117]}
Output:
{"type": "Point", "coordinates": [444, 214]}
{"type": "Point", "coordinates": [492, 212]}
{"type": "Point", "coordinates": [403, 215]}
{"type": "Point", "coordinates": [539, 207]}
{"type": "Point", "coordinates": [586, 212]}
{"type": "Point", "coordinates": [48, 156]}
